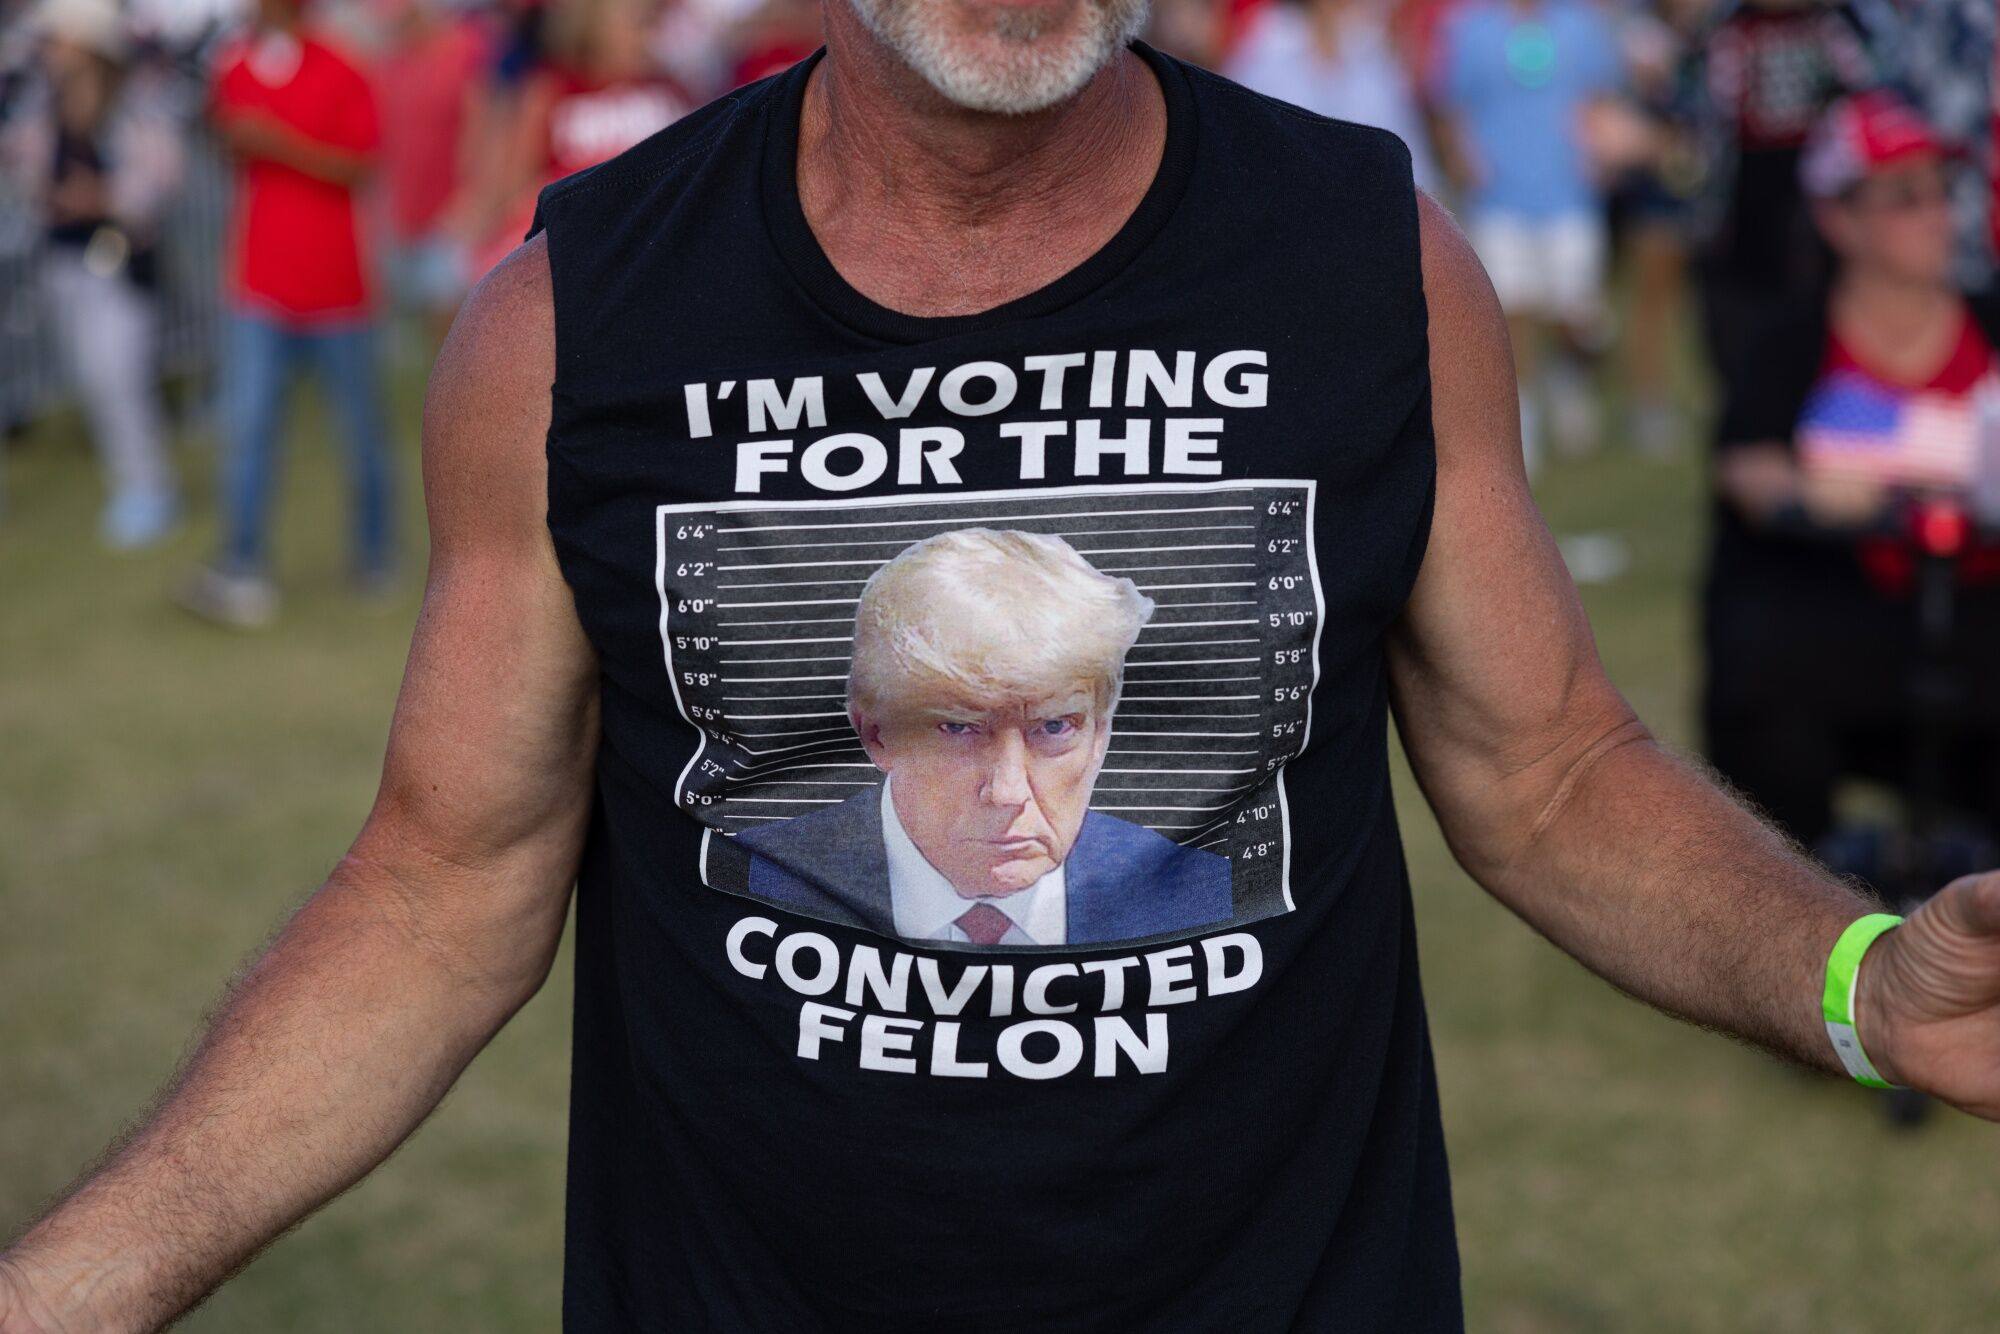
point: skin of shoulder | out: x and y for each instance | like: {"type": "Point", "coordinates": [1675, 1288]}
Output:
{"type": "Point", "coordinates": [486, 408]}
{"type": "Point", "coordinates": [496, 727]}
{"type": "Point", "coordinates": [1474, 397]}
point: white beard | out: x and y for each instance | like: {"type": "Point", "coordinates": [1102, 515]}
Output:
{"type": "Point", "coordinates": [1033, 75]}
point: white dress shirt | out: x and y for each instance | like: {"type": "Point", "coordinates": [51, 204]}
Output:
{"type": "Point", "coordinates": [927, 907]}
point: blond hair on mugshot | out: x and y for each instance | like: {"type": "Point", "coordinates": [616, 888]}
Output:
{"type": "Point", "coordinates": [981, 616]}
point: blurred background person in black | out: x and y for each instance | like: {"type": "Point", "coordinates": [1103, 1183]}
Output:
{"type": "Point", "coordinates": [1651, 198]}
{"type": "Point", "coordinates": [1849, 405]}
{"type": "Point", "coordinates": [1939, 55]}
{"type": "Point", "coordinates": [1769, 68]}
{"type": "Point", "coordinates": [101, 160]}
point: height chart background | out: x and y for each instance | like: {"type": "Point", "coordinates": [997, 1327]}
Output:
{"type": "Point", "coordinates": [757, 604]}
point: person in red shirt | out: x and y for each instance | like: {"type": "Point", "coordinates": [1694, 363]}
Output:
{"type": "Point", "coordinates": [300, 121]}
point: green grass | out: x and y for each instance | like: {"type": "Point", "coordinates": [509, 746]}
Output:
{"type": "Point", "coordinates": [167, 791]}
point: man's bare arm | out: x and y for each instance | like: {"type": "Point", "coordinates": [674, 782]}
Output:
{"type": "Point", "coordinates": [438, 925]}
{"type": "Point", "coordinates": [1557, 799]}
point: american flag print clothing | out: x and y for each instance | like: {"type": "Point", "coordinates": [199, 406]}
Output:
{"type": "Point", "coordinates": [1861, 424]}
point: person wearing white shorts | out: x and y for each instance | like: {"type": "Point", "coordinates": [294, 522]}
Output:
{"type": "Point", "coordinates": [1516, 78]}
{"type": "Point", "coordinates": [1549, 273]}
{"type": "Point", "coordinates": [1547, 269]}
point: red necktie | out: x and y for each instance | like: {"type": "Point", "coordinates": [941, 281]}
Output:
{"type": "Point", "coordinates": [984, 924]}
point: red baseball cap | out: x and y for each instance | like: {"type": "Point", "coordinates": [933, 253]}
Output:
{"type": "Point", "coordinates": [1859, 136]}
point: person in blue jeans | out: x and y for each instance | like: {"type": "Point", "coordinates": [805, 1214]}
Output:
{"type": "Point", "coordinates": [301, 124]}
{"type": "Point", "coordinates": [263, 355]}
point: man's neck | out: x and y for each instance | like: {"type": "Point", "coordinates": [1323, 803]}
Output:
{"type": "Point", "coordinates": [931, 209]}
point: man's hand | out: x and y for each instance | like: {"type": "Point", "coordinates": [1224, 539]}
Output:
{"type": "Point", "coordinates": [1762, 480]}
{"type": "Point", "coordinates": [1840, 500]}
{"type": "Point", "coordinates": [1929, 1000]}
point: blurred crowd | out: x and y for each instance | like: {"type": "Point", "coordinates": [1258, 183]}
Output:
{"type": "Point", "coordinates": [1811, 185]}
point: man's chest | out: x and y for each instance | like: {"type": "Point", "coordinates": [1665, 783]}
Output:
{"type": "Point", "coordinates": [1258, 494]}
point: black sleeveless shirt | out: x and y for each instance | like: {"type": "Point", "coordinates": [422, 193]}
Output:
{"type": "Point", "coordinates": [1175, 1075]}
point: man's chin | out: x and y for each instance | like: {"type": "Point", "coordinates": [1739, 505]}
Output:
{"type": "Point", "coordinates": [1011, 876]}
{"type": "Point", "coordinates": [1029, 30]}
{"type": "Point", "coordinates": [1005, 77]}
{"type": "Point", "coordinates": [1010, 57]}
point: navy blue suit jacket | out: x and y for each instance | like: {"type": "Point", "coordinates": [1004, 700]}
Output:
{"type": "Point", "coordinates": [1122, 881]}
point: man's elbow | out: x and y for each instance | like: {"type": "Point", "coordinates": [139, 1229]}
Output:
{"type": "Point", "coordinates": [1501, 824]}
{"type": "Point", "coordinates": [489, 922]}
{"type": "Point", "coordinates": [1609, 737]}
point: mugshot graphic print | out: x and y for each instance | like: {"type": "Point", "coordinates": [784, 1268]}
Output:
{"type": "Point", "coordinates": [1009, 720]}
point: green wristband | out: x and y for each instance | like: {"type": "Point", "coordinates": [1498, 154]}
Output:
{"type": "Point", "coordinates": [1837, 1006]}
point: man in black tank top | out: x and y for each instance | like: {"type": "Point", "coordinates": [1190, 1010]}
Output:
{"type": "Point", "coordinates": [930, 545]}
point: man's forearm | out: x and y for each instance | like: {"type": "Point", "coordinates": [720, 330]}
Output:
{"type": "Point", "coordinates": [323, 1058]}
{"type": "Point", "coordinates": [1655, 878]}
{"type": "Point", "coordinates": [1558, 801]}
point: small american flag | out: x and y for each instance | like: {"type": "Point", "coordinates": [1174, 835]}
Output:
{"type": "Point", "coordinates": [1859, 427]}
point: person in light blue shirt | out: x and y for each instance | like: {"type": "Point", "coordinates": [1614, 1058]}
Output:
{"type": "Point", "coordinates": [1516, 78]}
{"type": "Point", "coordinates": [1516, 81]}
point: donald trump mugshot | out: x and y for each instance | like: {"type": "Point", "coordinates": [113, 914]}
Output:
{"type": "Point", "coordinates": [986, 669]}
